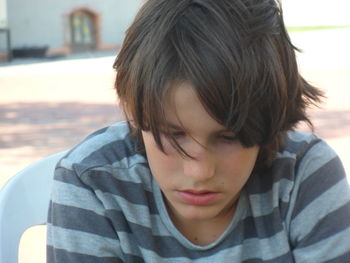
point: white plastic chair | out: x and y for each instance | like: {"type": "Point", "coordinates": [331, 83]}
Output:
{"type": "Point", "coordinates": [24, 202]}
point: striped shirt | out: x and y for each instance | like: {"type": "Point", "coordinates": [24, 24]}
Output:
{"type": "Point", "coordinates": [106, 207]}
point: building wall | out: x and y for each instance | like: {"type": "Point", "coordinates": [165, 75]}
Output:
{"type": "Point", "coordinates": [316, 12]}
{"type": "Point", "coordinates": [46, 22]}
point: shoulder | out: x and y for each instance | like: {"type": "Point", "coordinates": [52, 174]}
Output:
{"type": "Point", "coordinates": [306, 153]}
{"type": "Point", "coordinates": [296, 145]}
{"type": "Point", "coordinates": [113, 146]}
{"type": "Point", "coordinates": [303, 159]}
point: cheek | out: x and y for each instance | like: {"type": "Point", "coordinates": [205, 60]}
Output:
{"type": "Point", "coordinates": [163, 166]}
{"type": "Point", "coordinates": [168, 147]}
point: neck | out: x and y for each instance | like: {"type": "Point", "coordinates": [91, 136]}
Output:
{"type": "Point", "coordinates": [203, 232]}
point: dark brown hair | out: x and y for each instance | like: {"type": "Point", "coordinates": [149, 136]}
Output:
{"type": "Point", "coordinates": [237, 55]}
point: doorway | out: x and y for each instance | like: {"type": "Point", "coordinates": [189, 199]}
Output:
{"type": "Point", "coordinates": [83, 31]}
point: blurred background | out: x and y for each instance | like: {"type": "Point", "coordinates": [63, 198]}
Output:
{"type": "Point", "coordinates": [56, 87]}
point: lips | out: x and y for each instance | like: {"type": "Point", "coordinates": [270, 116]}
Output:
{"type": "Point", "coordinates": [202, 197]}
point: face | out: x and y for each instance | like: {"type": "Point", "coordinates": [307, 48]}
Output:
{"type": "Point", "coordinates": [204, 188]}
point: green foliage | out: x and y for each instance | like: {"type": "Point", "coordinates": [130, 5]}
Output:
{"type": "Point", "coordinates": [313, 28]}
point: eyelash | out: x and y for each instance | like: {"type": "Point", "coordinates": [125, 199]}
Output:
{"type": "Point", "coordinates": [178, 134]}
{"type": "Point", "coordinates": [174, 134]}
{"type": "Point", "coordinates": [229, 138]}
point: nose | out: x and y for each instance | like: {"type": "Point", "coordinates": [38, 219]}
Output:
{"type": "Point", "coordinates": [202, 165]}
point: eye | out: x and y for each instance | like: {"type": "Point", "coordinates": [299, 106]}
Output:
{"type": "Point", "coordinates": [177, 134]}
{"type": "Point", "coordinates": [228, 137]}
{"type": "Point", "coordinates": [174, 134]}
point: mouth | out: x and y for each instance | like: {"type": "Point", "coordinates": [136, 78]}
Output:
{"type": "Point", "coordinates": [197, 197]}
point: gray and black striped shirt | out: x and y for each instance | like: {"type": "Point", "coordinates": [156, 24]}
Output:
{"type": "Point", "coordinates": [106, 208]}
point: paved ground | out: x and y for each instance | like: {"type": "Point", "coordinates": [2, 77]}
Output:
{"type": "Point", "coordinates": [49, 106]}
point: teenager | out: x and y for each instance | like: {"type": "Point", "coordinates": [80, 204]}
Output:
{"type": "Point", "coordinates": [207, 166]}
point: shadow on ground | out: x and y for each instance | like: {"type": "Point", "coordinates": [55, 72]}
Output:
{"type": "Point", "coordinates": [51, 127]}
{"type": "Point", "coordinates": [83, 55]}
{"type": "Point", "coordinates": [331, 124]}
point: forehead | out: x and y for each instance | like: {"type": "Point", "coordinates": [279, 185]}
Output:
{"type": "Point", "coordinates": [184, 109]}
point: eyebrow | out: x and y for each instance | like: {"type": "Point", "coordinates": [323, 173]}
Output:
{"type": "Point", "coordinates": [169, 125]}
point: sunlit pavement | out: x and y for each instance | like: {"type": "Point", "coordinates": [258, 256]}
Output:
{"type": "Point", "coordinates": [50, 106]}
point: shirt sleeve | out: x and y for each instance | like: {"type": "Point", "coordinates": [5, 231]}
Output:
{"type": "Point", "coordinates": [320, 214]}
{"type": "Point", "coordinates": [78, 230]}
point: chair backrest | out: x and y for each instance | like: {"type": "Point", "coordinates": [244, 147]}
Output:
{"type": "Point", "coordinates": [24, 202]}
